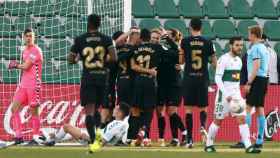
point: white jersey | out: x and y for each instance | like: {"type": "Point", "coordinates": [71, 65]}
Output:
{"type": "Point", "coordinates": [228, 81]}
{"type": "Point", "coordinates": [116, 131]}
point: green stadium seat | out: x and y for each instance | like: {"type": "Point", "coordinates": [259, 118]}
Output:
{"type": "Point", "coordinates": [190, 8]}
{"type": "Point", "coordinates": [21, 23]}
{"type": "Point", "coordinates": [218, 48]}
{"type": "Point", "coordinates": [207, 30]}
{"type": "Point", "coordinates": [272, 30]}
{"type": "Point", "coordinates": [177, 24]}
{"type": "Point", "coordinates": [59, 49]}
{"type": "Point", "coordinates": [75, 27]}
{"type": "Point", "coordinates": [215, 9]}
{"type": "Point", "coordinates": [11, 48]}
{"type": "Point", "coordinates": [52, 28]}
{"type": "Point", "coordinates": [6, 27]}
{"type": "Point", "coordinates": [165, 9]}
{"type": "Point", "coordinates": [69, 8]}
{"type": "Point", "coordinates": [17, 8]}
{"type": "Point", "coordinates": [50, 74]}
{"type": "Point", "coordinates": [264, 9]}
{"type": "Point", "coordinates": [41, 8]}
{"type": "Point", "coordinates": [2, 10]}
{"type": "Point", "coordinates": [278, 8]}
{"type": "Point", "coordinates": [69, 73]}
{"type": "Point", "coordinates": [277, 48]}
{"type": "Point", "coordinates": [239, 9]}
{"type": "Point", "coordinates": [142, 9]}
{"type": "Point", "coordinates": [243, 27]}
{"type": "Point", "coordinates": [149, 23]}
{"type": "Point", "coordinates": [224, 29]}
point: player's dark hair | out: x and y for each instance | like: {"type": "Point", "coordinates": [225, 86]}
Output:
{"type": "Point", "coordinates": [124, 107]}
{"type": "Point", "coordinates": [94, 21]}
{"type": "Point", "coordinates": [28, 30]}
{"type": "Point", "coordinates": [233, 39]}
{"type": "Point", "coordinates": [145, 35]}
{"type": "Point", "coordinates": [196, 24]}
{"type": "Point", "coordinates": [117, 34]}
{"type": "Point", "coordinates": [264, 37]}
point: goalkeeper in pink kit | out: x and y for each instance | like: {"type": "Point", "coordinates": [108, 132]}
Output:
{"type": "Point", "coordinates": [28, 90]}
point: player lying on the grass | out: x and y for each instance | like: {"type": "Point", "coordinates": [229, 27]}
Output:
{"type": "Point", "coordinates": [113, 133]}
{"type": "Point", "coordinates": [228, 97]}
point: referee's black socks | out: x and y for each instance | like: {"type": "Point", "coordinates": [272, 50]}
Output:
{"type": "Point", "coordinates": [90, 125]}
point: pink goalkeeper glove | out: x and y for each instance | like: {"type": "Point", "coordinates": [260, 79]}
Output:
{"type": "Point", "coordinates": [13, 64]}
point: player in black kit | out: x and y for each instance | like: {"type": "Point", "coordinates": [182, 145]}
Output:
{"type": "Point", "coordinates": [96, 51]}
{"type": "Point", "coordinates": [195, 53]}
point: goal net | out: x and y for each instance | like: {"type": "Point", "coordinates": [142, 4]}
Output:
{"type": "Point", "coordinates": [56, 23]}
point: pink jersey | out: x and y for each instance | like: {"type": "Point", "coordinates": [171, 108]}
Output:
{"type": "Point", "coordinates": [31, 78]}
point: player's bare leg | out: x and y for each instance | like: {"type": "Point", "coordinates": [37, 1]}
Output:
{"type": "Point", "coordinates": [17, 122]}
{"type": "Point", "coordinates": [203, 118]}
{"type": "Point", "coordinates": [160, 110]}
{"type": "Point", "coordinates": [189, 125]}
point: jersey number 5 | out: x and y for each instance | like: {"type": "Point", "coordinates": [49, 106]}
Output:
{"type": "Point", "coordinates": [144, 61]}
{"type": "Point", "coordinates": [196, 59]}
{"type": "Point", "coordinates": [90, 53]}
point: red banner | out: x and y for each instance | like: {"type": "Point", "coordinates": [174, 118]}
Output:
{"type": "Point", "coordinates": [60, 104]}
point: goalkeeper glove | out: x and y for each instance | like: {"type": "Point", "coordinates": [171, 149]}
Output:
{"type": "Point", "coordinates": [13, 64]}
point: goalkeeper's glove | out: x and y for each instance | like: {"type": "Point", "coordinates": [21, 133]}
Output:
{"type": "Point", "coordinates": [13, 64]}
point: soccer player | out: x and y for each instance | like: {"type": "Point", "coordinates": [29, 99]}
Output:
{"type": "Point", "coordinates": [256, 86]}
{"type": "Point", "coordinates": [96, 51]}
{"type": "Point", "coordinates": [144, 62]}
{"type": "Point", "coordinates": [195, 53]}
{"type": "Point", "coordinates": [227, 79]}
{"type": "Point", "coordinates": [29, 89]}
{"type": "Point", "coordinates": [114, 133]}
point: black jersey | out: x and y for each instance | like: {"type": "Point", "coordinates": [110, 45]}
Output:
{"type": "Point", "coordinates": [125, 53]}
{"type": "Point", "coordinates": [197, 50]}
{"type": "Point", "coordinates": [93, 50]}
{"type": "Point", "coordinates": [147, 55]}
{"type": "Point", "coordinates": [167, 73]}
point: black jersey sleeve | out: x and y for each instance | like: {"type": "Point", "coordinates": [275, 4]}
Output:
{"type": "Point", "coordinates": [75, 48]}
{"type": "Point", "coordinates": [211, 48]}
{"type": "Point", "coordinates": [108, 42]}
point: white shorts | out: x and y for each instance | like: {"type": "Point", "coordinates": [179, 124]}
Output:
{"type": "Point", "coordinates": [222, 109]}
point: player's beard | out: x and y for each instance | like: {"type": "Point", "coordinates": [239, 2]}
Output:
{"type": "Point", "coordinates": [236, 53]}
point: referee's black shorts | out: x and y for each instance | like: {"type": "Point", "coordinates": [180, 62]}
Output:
{"type": "Point", "coordinates": [257, 92]}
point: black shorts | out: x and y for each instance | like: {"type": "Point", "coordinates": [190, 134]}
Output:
{"type": "Point", "coordinates": [110, 98]}
{"type": "Point", "coordinates": [125, 89]}
{"type": "Point", "coordinates": [195, 92]}
{"type": "Point", "coordinates": [144, 95]}
{"type": "Point", "coordinates": [92, 94]}
{"type": "Point", "coordinates": [169, 95]}
{"type": "Point", "coordinates": [257, 93]}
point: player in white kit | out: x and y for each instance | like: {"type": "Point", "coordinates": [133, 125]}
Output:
{"type": "Point", "coordinates": [227, 79]}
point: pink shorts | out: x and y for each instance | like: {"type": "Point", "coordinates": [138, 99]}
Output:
{"type": "Point", "coordinates": [27, 96]}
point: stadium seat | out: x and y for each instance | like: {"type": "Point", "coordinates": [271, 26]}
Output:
{"type": "Point", "coordinates": [21, 23]}
{"type": "Point", "coordinates": [243, 27]}
{"type": "Point", "coordinates": [278, 8]}
{"type": "Point", "coordinates": [70, 8]}
{"type": "Point", "coordinates": [42, 8]}
{"type": "Point", "coordinates": [218, 48]}
{"type": "Point", "coordinates": [6, 27]}
{"type": "Point", "coordinates": [177, 24]}
{"type": "Point", "coordinates": [272, 30]}
{"type": "Point", "coordinates": [50, 73]}
{"type": "Point", "coordinates": [59, 49]}
{"type": "Point", "coordinates": [76, 26]}
{"type": "Point", "coordinates": [16, 8]}
{"type": "Point", "coordinates": [149, 23]}
{"type": "Point", "coordinates": [264, 9]}
{"type": "Point", "coordinates": [239, 9]}
{"type": "Point", "coordinates": [223, 29]}
{"type": "Point", "coordinates": [52, 27]}
{"type": "Point", "coordinates": [215, 9]}
{"type": "Point", "coordinates": [142, 9]}
{"type": "Point", "coordinates": [190, 8]}
{"type": "Point", "coordinates": [165, 9]}
{"type": "Point", "coordinates": [11, 48]}
{"type": "Point", "coordinates": [207, 30]}
{"type": "Point", "coordinates": [277, 48]}
{"type": "Point", "coordinates": [69, 73]}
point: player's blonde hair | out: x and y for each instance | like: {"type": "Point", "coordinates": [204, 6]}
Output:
{"type": "Point", "coordinates": [256, 30]}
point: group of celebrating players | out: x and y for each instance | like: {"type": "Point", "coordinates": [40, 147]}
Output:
{"type": "Point", "coordinates": [141, 71]}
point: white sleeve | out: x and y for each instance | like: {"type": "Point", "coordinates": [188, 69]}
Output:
{"type": "Point", "coordinates": [219, 75]}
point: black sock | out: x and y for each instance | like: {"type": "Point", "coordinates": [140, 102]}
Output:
{"type": "Point", "coordinates": [179, 122]}
{"type": "Point", "coordinates": [146, 118]}
{"type": "Point", "coordinates": [203, 117]}
{"type": "Point", "coordinates": [173, 126]}
{"type": "Point", "coordinates": [97, 119]}
{"type": "Point", "coordinates": [189, 124]}
{"type": "Point", "coordinates": [161, 126]}
{"type": "Point", "coordinates": [90, 125]}
{"type": "Point", "coordinates": [134, 126]}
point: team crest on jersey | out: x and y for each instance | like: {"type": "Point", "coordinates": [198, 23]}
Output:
{"type": "Point", "coordinates": [236, 76]}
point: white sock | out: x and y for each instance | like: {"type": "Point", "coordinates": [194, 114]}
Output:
{"type": "Point", "coordinates": [212, 132]}
{"type": "Point", "coordinates": [184, 132]}
{"type": "Point", "coordinates": [60, 134]}
{"type": "Point", "coordinates": [245, 134]}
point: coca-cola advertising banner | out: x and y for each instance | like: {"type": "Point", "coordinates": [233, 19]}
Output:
{"type": "Point", "coordinates": [60, 104]}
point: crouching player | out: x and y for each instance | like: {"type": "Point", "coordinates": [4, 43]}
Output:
{"type": "Point", "coordinates": [115, 132]}
{"type": "Point", "coordinates": [227, 79]}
